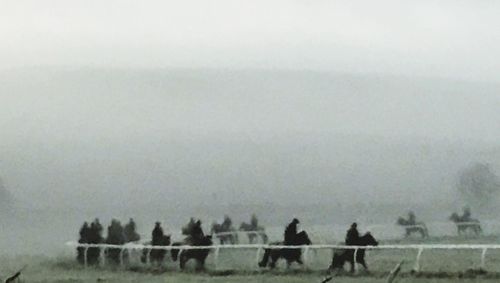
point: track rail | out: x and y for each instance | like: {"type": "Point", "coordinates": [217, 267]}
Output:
{"type": "Point", "coordinates": [259, 247]}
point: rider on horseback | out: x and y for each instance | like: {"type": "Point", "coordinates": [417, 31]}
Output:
{"type": "Point", "coordinates": [195, 234]}
{"type": "Point", "coordinates": [291, 232]}
{"type": "Point", "coordinates": [227, 224]}
{"type": "Point", "coordinates": [412, 219]}
{"type": "Point", "coordinates": [466, 217]}
{"type": "Point", "coordinates": [352, 236]}
{"type": "Point", "coordinates": [157, 234]}
{"type": "Point", "coordinates": [254, 222]}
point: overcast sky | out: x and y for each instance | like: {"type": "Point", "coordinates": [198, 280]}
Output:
{"type": "Point", "coordinates": [459, 39]}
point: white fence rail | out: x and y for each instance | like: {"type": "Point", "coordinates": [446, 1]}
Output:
{"type": "Point", "coordinates": [259, 247]}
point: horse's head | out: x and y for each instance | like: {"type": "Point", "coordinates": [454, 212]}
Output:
{"type": "Point", "coordinates": [165, 240]}
{"type": "Point", "coordinates": [454, 217]}
{"type": "Point", "coordinates": [401, 221]}
{"type": "Point", "coordinates": [368, 240]}
{"type": "Point", "coordinates": [207, 240]}
{"type": "Point", "coordinates": [303, 239]}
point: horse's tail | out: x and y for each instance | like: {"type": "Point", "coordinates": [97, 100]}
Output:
{"type": "Point", "coordinates": [265, 258]}
{"type": "Point", "coordinates": [175, 252]}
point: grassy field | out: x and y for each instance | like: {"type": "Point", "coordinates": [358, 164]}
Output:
{"type": "Point", "coordinates": [240, 266]}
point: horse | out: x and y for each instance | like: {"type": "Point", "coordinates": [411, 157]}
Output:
{"type": "Point", "coordinates": [254, 232]}
{"type": "Point", "coordinates": [411, 228]}
{"type": "Point", "coordinates": [224, 234]}
{"type": "Point", "coordinates": [347, 255]}
{"type": "Point", "coordinates": [155, 255]}
{"type": "Point", "coordinates": [289, 254]}
{"type": "Point", "coordinates": [466, 224]}
{"type": "Point", "coordinates": [200, 255]}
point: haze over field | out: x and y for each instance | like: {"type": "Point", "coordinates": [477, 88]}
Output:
{"type": "Point", "coordinates": [93, 137]}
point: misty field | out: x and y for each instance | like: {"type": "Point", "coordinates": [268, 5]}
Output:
{"type": "Point", "coordinates": [240, 266]}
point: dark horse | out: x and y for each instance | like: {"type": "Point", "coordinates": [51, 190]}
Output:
{"type": "Point", "coordinates": [156, 255]}
{"type": "Point", "coordinates": [410, 228]}
{"type": "Point", "coordinates": [290, 255]}
{"type": "Point", "coordinates": [347, 255]}
{"type": "Point", "coordinates": [469, 224]}
{"type": "Point", "coordinates": [200, 255]}
{"type": "Point", "coordinates": [254, 232]}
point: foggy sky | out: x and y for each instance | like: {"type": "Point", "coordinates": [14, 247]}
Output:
{"type": "Point", "coordinates": [457, 39]}
{"type": "Point", "coordinates": [260, 100]}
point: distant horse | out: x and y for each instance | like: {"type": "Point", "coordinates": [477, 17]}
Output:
{"type": "Point", "coordinates": [347, 255]}
{"type": "Point", "coordinates": [224, 234]}
{"type": "Point", "coordinates": [200, 255]}
{"type": "Point", "coordinates": [463, 225]}
{"type": "Point", "coordinates": [410, 228]}
{"type": "Point", "coordinates": [156, 255]}
{"type": "Point", "coordinates": [290, 255]}
{"type": "Point", "coordinates": [254, 232]}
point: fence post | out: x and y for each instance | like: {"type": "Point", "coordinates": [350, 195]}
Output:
{"type": "Point", "coordinates": [483, 258]}
{"type": "Point", "coordinates": [122, 253]}
{"type": "Point", "coordinates": [85, 252]}
{"type": "Point", "coordinates": [102, 255]}
{"type": "Point", "coordinates": [148, 256]}
{"type": "Point", "coordinates": [416, 268]}
{"type": "Point", "coordinates": [257, 256]}
{"type": "Point", "coordinates": [355, 259]}
{"type": "Point", "coordinates": [216, 258]}
{"type": "Point", "coordinates": [306, 251]}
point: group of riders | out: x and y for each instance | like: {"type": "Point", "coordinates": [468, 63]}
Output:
{"type": "Point", "coordinates": [226, 233]}
{"type": "Point", "coordinates": [194, 236]}
{"type": "Point", "coordinates": [117, 235]}
{"type": "Point", "coordinates": [464, 222]}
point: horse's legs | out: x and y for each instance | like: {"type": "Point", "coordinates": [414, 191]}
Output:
{"type": "Point", "coordinates": [274, 259]}
{"type": "Point", "coordinates": [265, 258]}
{"type": "Point", "coordinates": [200, 264]}
{"type": "Point", "coordinates": [182, 261]}
{"type": "Point", "coordinates": [362, 262]}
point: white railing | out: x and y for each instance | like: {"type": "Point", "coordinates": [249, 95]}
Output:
{"type": "Point", "coordinates": [257, 233]}
{"type": "Point", "coordinates": [421, 226]}
{"type": "Point", "coordinates": [468, 223]}
{"type": "Point", "coordinates": [259, 247]}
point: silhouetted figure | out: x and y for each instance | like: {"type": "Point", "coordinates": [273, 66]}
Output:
{"type": "Point", "coordinates": [352, 235]}
{"type": "Point", "coordinates": [291, 232]}
{"type": "Point", "coordinates": [94, 237]}
{"type": "Point", "coordinates": [84, 239]}
{"type": "Point", "coordinates": [412, 220]}
{"type": "Point", "coordinates": [130, 232]}
{"type": "Point", "coordinates": [227, 223]}
{"type": "Point", "coordinates": [115, 237]}
{"type": "Point", "coordinates": [157, 234]}
{"type": "Point", "coordinates": [84, 233]}
{"type": "Point", "coordinates": [254, 222]}
{"type": "Point", "coordinates": [97, 226]}
{"type": "Point", "coordinates": [467, 216]}
{"type": "Point", "coordinates": [158, 239]}
{"type": "Point", "coordinates": [187, 230]}
{"type": "Point", "coordinates": [196, 234]}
